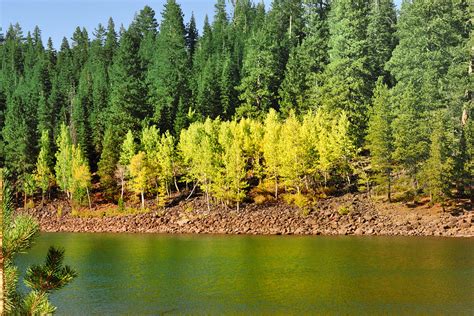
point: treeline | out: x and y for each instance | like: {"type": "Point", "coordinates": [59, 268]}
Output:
{"type": "Point", "coordinates": [347, 79]}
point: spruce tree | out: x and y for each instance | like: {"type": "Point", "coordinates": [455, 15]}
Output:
{"type": "Point", "coordinates": [380, 136]}
{"type": "Point", "coordinates": [259, 73]}
{"type": "Point", "coordinates": [108, 163]}
{"type": "Point", "coordinates": [111, 43]}
{"type": "Point", "coordinates": [436, 171]}
{"type": "Point", "coordinates": [192, 37]}
{"type": "Point", "coordinates": [345, 80]}
{"type": "Point", "coordinates": [168, 75]}
{"type": "Point", "coordinates": [381, 37]}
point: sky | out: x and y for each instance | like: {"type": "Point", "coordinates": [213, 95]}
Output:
{"type": "Point", "coordinates": [59, 18]}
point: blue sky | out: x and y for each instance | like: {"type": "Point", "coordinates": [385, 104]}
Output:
{"type": "Point", "coordinates": [58, 18]}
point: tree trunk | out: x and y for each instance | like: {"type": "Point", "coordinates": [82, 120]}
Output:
{"type": "Point", "coordinates": [176, 184]}
{"type": "Point", "coordinates": [123, 186]}
{"type": "Point", "coordinates": [238, 204]}
{"type": "Point", "coordinates": [389, 188]}
{"type": "Point", "coordinates": [89, 198]}
{"type": "Point", "coordinates": [276, 187]}
{"type": "Point", "coordinates": [208, 204]}
{"type": "Point", "coordinates": [143, 200]}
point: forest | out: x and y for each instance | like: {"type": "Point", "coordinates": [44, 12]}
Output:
{"type": "Point", "coordinates": [301, 98]}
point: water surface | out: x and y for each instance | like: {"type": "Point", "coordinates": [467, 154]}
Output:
{"type": "Point", "coordinates": [155, 274]}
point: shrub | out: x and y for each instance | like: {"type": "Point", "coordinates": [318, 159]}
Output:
{"type": "Point", "coordinates": [344, 210]}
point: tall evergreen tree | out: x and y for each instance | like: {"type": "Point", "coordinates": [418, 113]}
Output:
{"type": "Point", "coordinates": [111, 43]}
{"type": "Point", "coordinates": [380, 136]}
{"type": "Point", "coordinates": [259, 73]}
{"type": "Point", "coordinates": [192, 37]}
{"type": "Point", "coordinates": [381, 37]}
{"type": "Point", "coordinates": [168, 75]}
{"type": "Point", "coordinates": [307, 61]}
{"type": "Point", "coordinates": [345, 80]}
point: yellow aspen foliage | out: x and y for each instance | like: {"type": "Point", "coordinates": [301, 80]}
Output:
{"type": "Point", "coordinates": [271, 147]}
{"type": "Point", "coordinates": [80, 177]}
{"type": "Point", "coordinates": [139, 173]}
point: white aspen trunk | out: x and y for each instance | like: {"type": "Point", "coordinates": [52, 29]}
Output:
{"type": "Point", "coordinates": [122, 191]}
{"type": "Point", "coordinates": [176, 184]}
{"type": "Point", "coordinates": [143, 200]}
{"type": "Point", "coordinates": [89, 198]}
{"type": "Point", "coordinates": [276, 186]}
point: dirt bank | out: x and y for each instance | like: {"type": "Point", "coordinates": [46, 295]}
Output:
{"type": "Point", "coordinates": [363, 217]}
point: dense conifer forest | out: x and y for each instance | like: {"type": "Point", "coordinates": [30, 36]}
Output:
{"type": "Point", "coordinates": [303, 97]}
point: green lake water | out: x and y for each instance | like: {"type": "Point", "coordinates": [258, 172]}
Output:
{"type": "Point", "coordinates": [262, 275]}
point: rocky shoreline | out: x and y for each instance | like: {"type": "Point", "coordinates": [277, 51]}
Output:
{"type": "Point", "coordinates": [363, 217]}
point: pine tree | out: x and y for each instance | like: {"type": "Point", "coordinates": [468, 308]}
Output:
{"type": "Point", "coordinates": [147, 27]}
{"type": "Point", "coordinates": [437, 167]}
{"type": "Point", "coordinates": [111, 44]}
{"type": "Point", "coordinates": [108, 163]}
{"type": "Point", "coordinates": [411, 134]}
{"type": "Point", "coordinates": [307, 61]}
{"type": "Point", "coordinates": [79, 51]}
{"type": "Point", "coordinates": [192, 36]}
{"type": "Point", "coordinates": [19, 131]}
{"type": "Point", "coordinates": [127, 108]}
{"type": "Point", "coordinates": [346, 85]}
{"type": "Point", "coordinates": [381, 37]}
{"type": "Point", "coordinates": [380, 138]}
{"type": "Point", "coordinates": [99, 97]}
{"type": "Point", "coordinates": [18, 234]}
{"type": "Point", "coordinates": [168, 75]}
{"type": "Point", "coordinates": [258, 70]}
{"type": "Point", "coordinates": [128, 104]}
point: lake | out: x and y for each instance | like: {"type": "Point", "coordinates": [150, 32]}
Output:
{"type": "Point", "coordinates": [186, 274]}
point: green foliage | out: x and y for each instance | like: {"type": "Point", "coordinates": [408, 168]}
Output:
{"type": "Point", "coordinates": [43, 174]}
{"type": "Point", "coordinates": [108, 162]}
{"type": "Point", "coordinates": [52, 275]}
{"type": "Point", "coordinates": [80, 177]}
{"type": "Point", "coordinates": [380, 135]}
{"type": "Point", "coordinates": [63, 167]}
{"type": "Point", "coordinates": [315, 62]}
{"type": "Point", "coordinates": [271, 148]}
{"type": "Point", "coordinates": [128, 149]}
{"type": "Point", "coordinates": [259, 66]}
{"type": "Point", "coordinates": [168, 73]}
{"type": "Point", "coordinates": [18, 234]}
{"type": "Point", "coordinates": [139, 172]}
{"type": "Point", "coordinates": [230, 182]}
{"type": "Point", "coordinates": [198, 147]}
{"type": "Point", "coordinates": [436, 170]}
